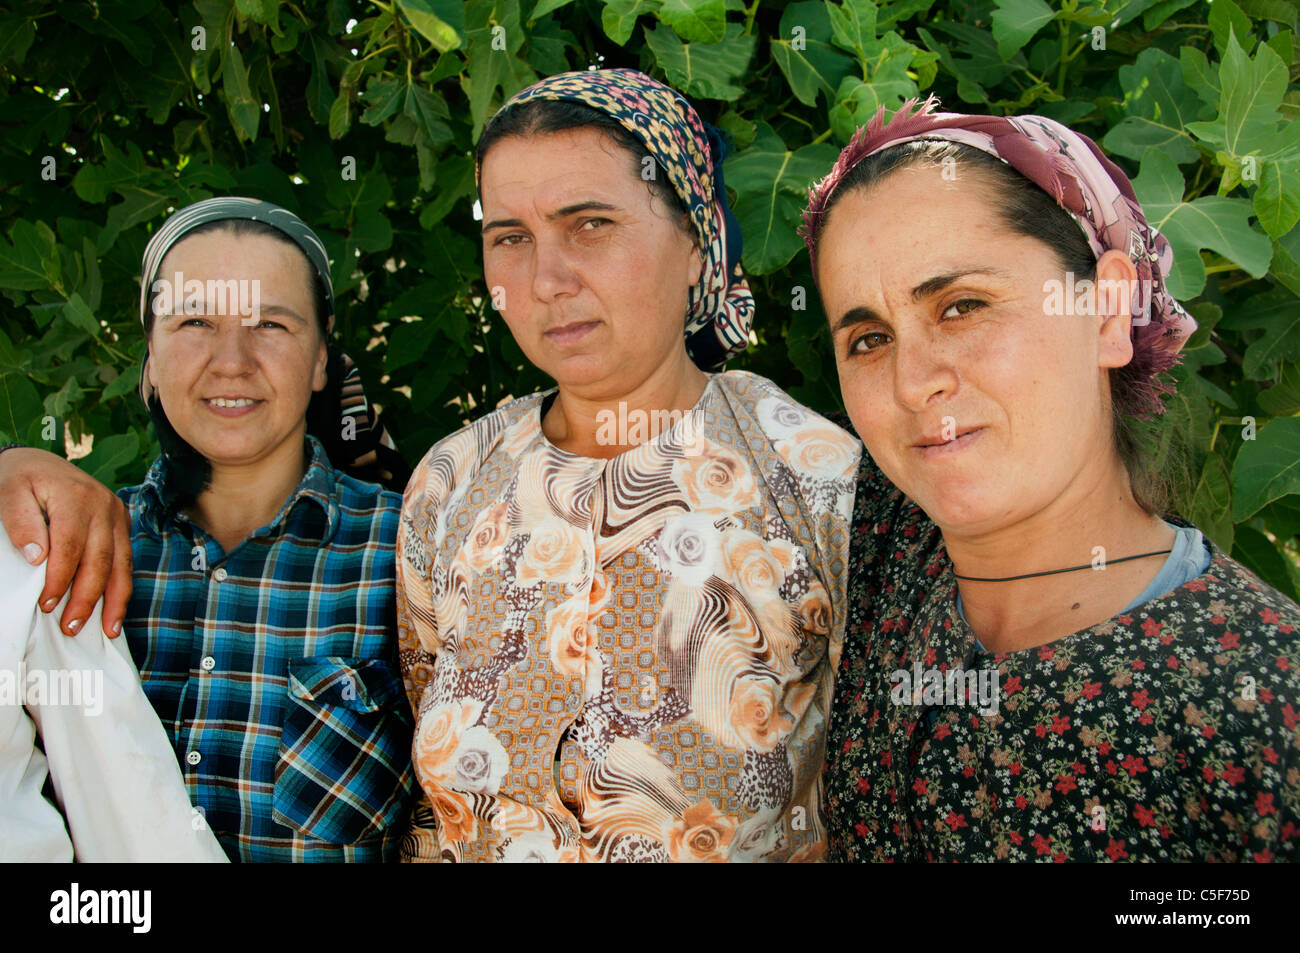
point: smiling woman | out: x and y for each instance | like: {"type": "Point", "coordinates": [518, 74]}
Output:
{"type": "Point", "coordinates": [262, 616]}
{"type": "Point", "coordinates": [1006, 533]}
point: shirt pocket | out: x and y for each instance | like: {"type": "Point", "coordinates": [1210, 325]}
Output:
{"type": "Point", "coordinates": [344, 766]}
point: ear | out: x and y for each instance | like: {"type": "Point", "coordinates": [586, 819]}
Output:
{"type": "Point", "coordinates": [694, 266]}
{"type": "Point", "coordinates": [149, 366]}
{"type": "Point", "coordinates": [318, 371]}
{"type": "Point", "coordinates": [1116, 281]}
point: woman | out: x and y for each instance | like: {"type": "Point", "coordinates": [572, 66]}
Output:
{"type": "Point", "coordinates": [621, 599]}
{"type": "Point", "coordinates": [263, 612]}
{"type": "Point", "coordinates": [1008, 535]}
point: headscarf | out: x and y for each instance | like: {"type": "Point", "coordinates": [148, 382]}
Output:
{"type": "Point", "coordinates": [690, 151]}
{"type": "Point", "coordinates": [1070, 168]}
{"type": "Point", "coordinates": [355, 415]}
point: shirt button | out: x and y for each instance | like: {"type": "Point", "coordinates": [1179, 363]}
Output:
{"type": "Point", "coordinates": [572, 701]}
{"type": "Point", "coordinates": [193, 757]}
{"type": "Point", "coordinates": [208, 663]}
{"type": "Point", "coordinates": [220, 574]}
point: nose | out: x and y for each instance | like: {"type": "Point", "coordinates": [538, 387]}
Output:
{"type": "Point", "coordinates": [923, 373]}
{"type": "Point", "coordinates": [233, 349]}
{"type": "Point", "coordinates": [553, 273]}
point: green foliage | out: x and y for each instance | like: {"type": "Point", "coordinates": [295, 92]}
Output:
{"type": "Point", "coordinates": [114, 112]}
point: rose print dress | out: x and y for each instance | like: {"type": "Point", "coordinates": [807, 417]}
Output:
{"type": "Point", "coordinates": [627, 659]}
{"type": "Point", "coordinates": [1170, 732]}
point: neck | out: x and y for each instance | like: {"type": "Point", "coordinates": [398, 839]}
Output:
{"type": "Point", "coordinates": [244, 497]}
{"type": "Point", "coordinates": [591, 422]}
{"type": "Point", "coordinates": [1020, 614]}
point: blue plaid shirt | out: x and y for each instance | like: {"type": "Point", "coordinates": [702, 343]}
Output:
{"type": "Point", "coordinates": [274, 667]}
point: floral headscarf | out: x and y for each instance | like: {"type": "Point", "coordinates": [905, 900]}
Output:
{"type": "Point", "coordinates": [721, 308]}
{"type": "Point", "coordinates": [1070, 168]}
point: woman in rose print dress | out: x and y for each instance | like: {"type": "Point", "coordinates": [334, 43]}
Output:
{"type": "Point", "coordinates": [621, 601]}
{"type": "Point", "coordinates": [1145, 712]}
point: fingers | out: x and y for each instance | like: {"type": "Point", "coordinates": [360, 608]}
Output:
{"type": "Point", "coordinates": [20, 511]}
{"type": "Point", "coordinates": [67, 540]}
{"type": "Point", "coordinates": [93, 573]}
{"type": "Point", "coordinates": [118, 593]}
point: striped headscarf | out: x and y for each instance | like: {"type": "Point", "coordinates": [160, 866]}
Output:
{"type": "Point", "coordinates": [721, 309]}
{"type": "Point", "coordinates": [356, 415]}
{"type": "Point", "coordinates": [1070, 168]}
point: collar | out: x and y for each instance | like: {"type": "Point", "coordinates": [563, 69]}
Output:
{"type": "Point", "coordinates": [160, 510]}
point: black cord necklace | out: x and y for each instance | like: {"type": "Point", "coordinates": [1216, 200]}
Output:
{"type": "Point", "coordinates": [1053, 572]}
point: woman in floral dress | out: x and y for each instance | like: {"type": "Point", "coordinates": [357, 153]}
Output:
{"type": "Point", "coordinates": [621, 600]}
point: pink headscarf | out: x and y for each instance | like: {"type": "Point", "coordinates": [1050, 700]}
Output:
{"type": "Point", "coordinates": [1071, 169]}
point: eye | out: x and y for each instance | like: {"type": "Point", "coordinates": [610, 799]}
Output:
{"type": "Point", "coordinates": [271, 324]}
{"type": "Point", "coordinates": [598, 222]}
{"type": "Point", "coordinates": [962, 308]}
{"type": "Point", "coordinates": [194, 322]}
{"type": "Point", "coordinates": [868, 342]}
{"type": "Point", "coordinates": [511, 239]}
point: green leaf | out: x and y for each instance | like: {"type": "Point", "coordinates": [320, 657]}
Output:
{"type": "Point", "coordinates": [1158, 13]}
{"type": "Point", "coordinates": [1277, 199]}
{"type": "Point", "coordinates": [245, 112]}
{"type": "Point", "coordinates": [771, 184]}
{"type": "Point", "coordinates": [709, 71]}
{"type": "Point", "coordinates": [1279, 11]}
{"type": "Point", "coordinates": [853, 25]}
{"type": "Point", "coordinates": [441, 22]}
{"type": "Point", "coordinates": [428, 110]}
{"type": "Point", "coordinates": [1200, 76]}
{"type": "Point", "coordinates": [1257, 553]}
{"type": "Point", "coordinates": [809, 63]}
{"type": "Point", "coordinates": [1226, 16]}
{"type": "Point", "coordinates": [127, 382]}
{"type": "Point", "coordinates": [385, 98]}
{"type": "Point", "coordinates": [696, 21]}
{"type": "Point", "coordinates": [856, 102]}
{"type": "Point", "coordinates": [1158, 105]}
{"type": "Point", "coordinates": [1283, 398]}
{"type": "Point", "coordinates": [16, 36]}
{"type": "Point", "coordinates": [1252, 91]}
{"type": "Point", "coordinates": [1267, 468]}
{"type": "Point", "coordinates": [1211, 506]}
{"type": "Point", "coordinates": [341, 113]}
{"type": "Point", "coordinates": [618, 19]}
{"type": "Point", "coordinates": [109, 456]}
{"type": "Point", "coordinates": [547, 6]}
{"type": "Point", "coordinates": [78, 314]}
{"type": "Point", "coordinates": [1016, 21]}
{"type": "Point", "coordinates": [1219, 224]}
{"type": "Point", "coordinates": [22, 264]}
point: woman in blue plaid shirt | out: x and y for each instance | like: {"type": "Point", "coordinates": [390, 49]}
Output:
{"type": "Point", "coordinates": [262, 616]}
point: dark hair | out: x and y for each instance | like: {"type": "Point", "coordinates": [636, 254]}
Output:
{"type": "Point", "coordinates": [190, 473]}
{"type": "Point", "coordinates": [541, 117]}
{"type": "Point", "coordinates": [1028, 210]}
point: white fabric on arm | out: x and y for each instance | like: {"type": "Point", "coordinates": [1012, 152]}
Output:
{"type": "Point", "coordinates": [114, 771]}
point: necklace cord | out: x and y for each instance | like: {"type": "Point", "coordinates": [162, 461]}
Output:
{"type": "Point", "coordinates": [1053, 572]}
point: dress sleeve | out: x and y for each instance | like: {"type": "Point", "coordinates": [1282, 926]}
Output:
{"type": "Point", "coordinates": [417, 626]}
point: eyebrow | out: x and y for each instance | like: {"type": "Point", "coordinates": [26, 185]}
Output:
{"type": "Point", "coordinates": [557, 214]}
{"type": "Point", "coordinates": [926, 288]}
{"type": "Point", "coordinates": [277, 310]}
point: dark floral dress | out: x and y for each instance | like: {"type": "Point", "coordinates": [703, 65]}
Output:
{"type": "Point", "coordinates": [1169, 732]}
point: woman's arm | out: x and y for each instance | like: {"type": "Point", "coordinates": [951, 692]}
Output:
{"type": "Point", "coordinates": [88, 534]}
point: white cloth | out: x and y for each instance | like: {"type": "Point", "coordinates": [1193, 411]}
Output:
{"type": "Point", "coordinates": [114, 771]}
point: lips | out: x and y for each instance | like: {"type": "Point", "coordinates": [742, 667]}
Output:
{"type": "Point", "coordinates": [937, 446]}
{"type": "Point", "coordinates": [231, 406]}
{"type": "Point", "coordinates": [570, 333]}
